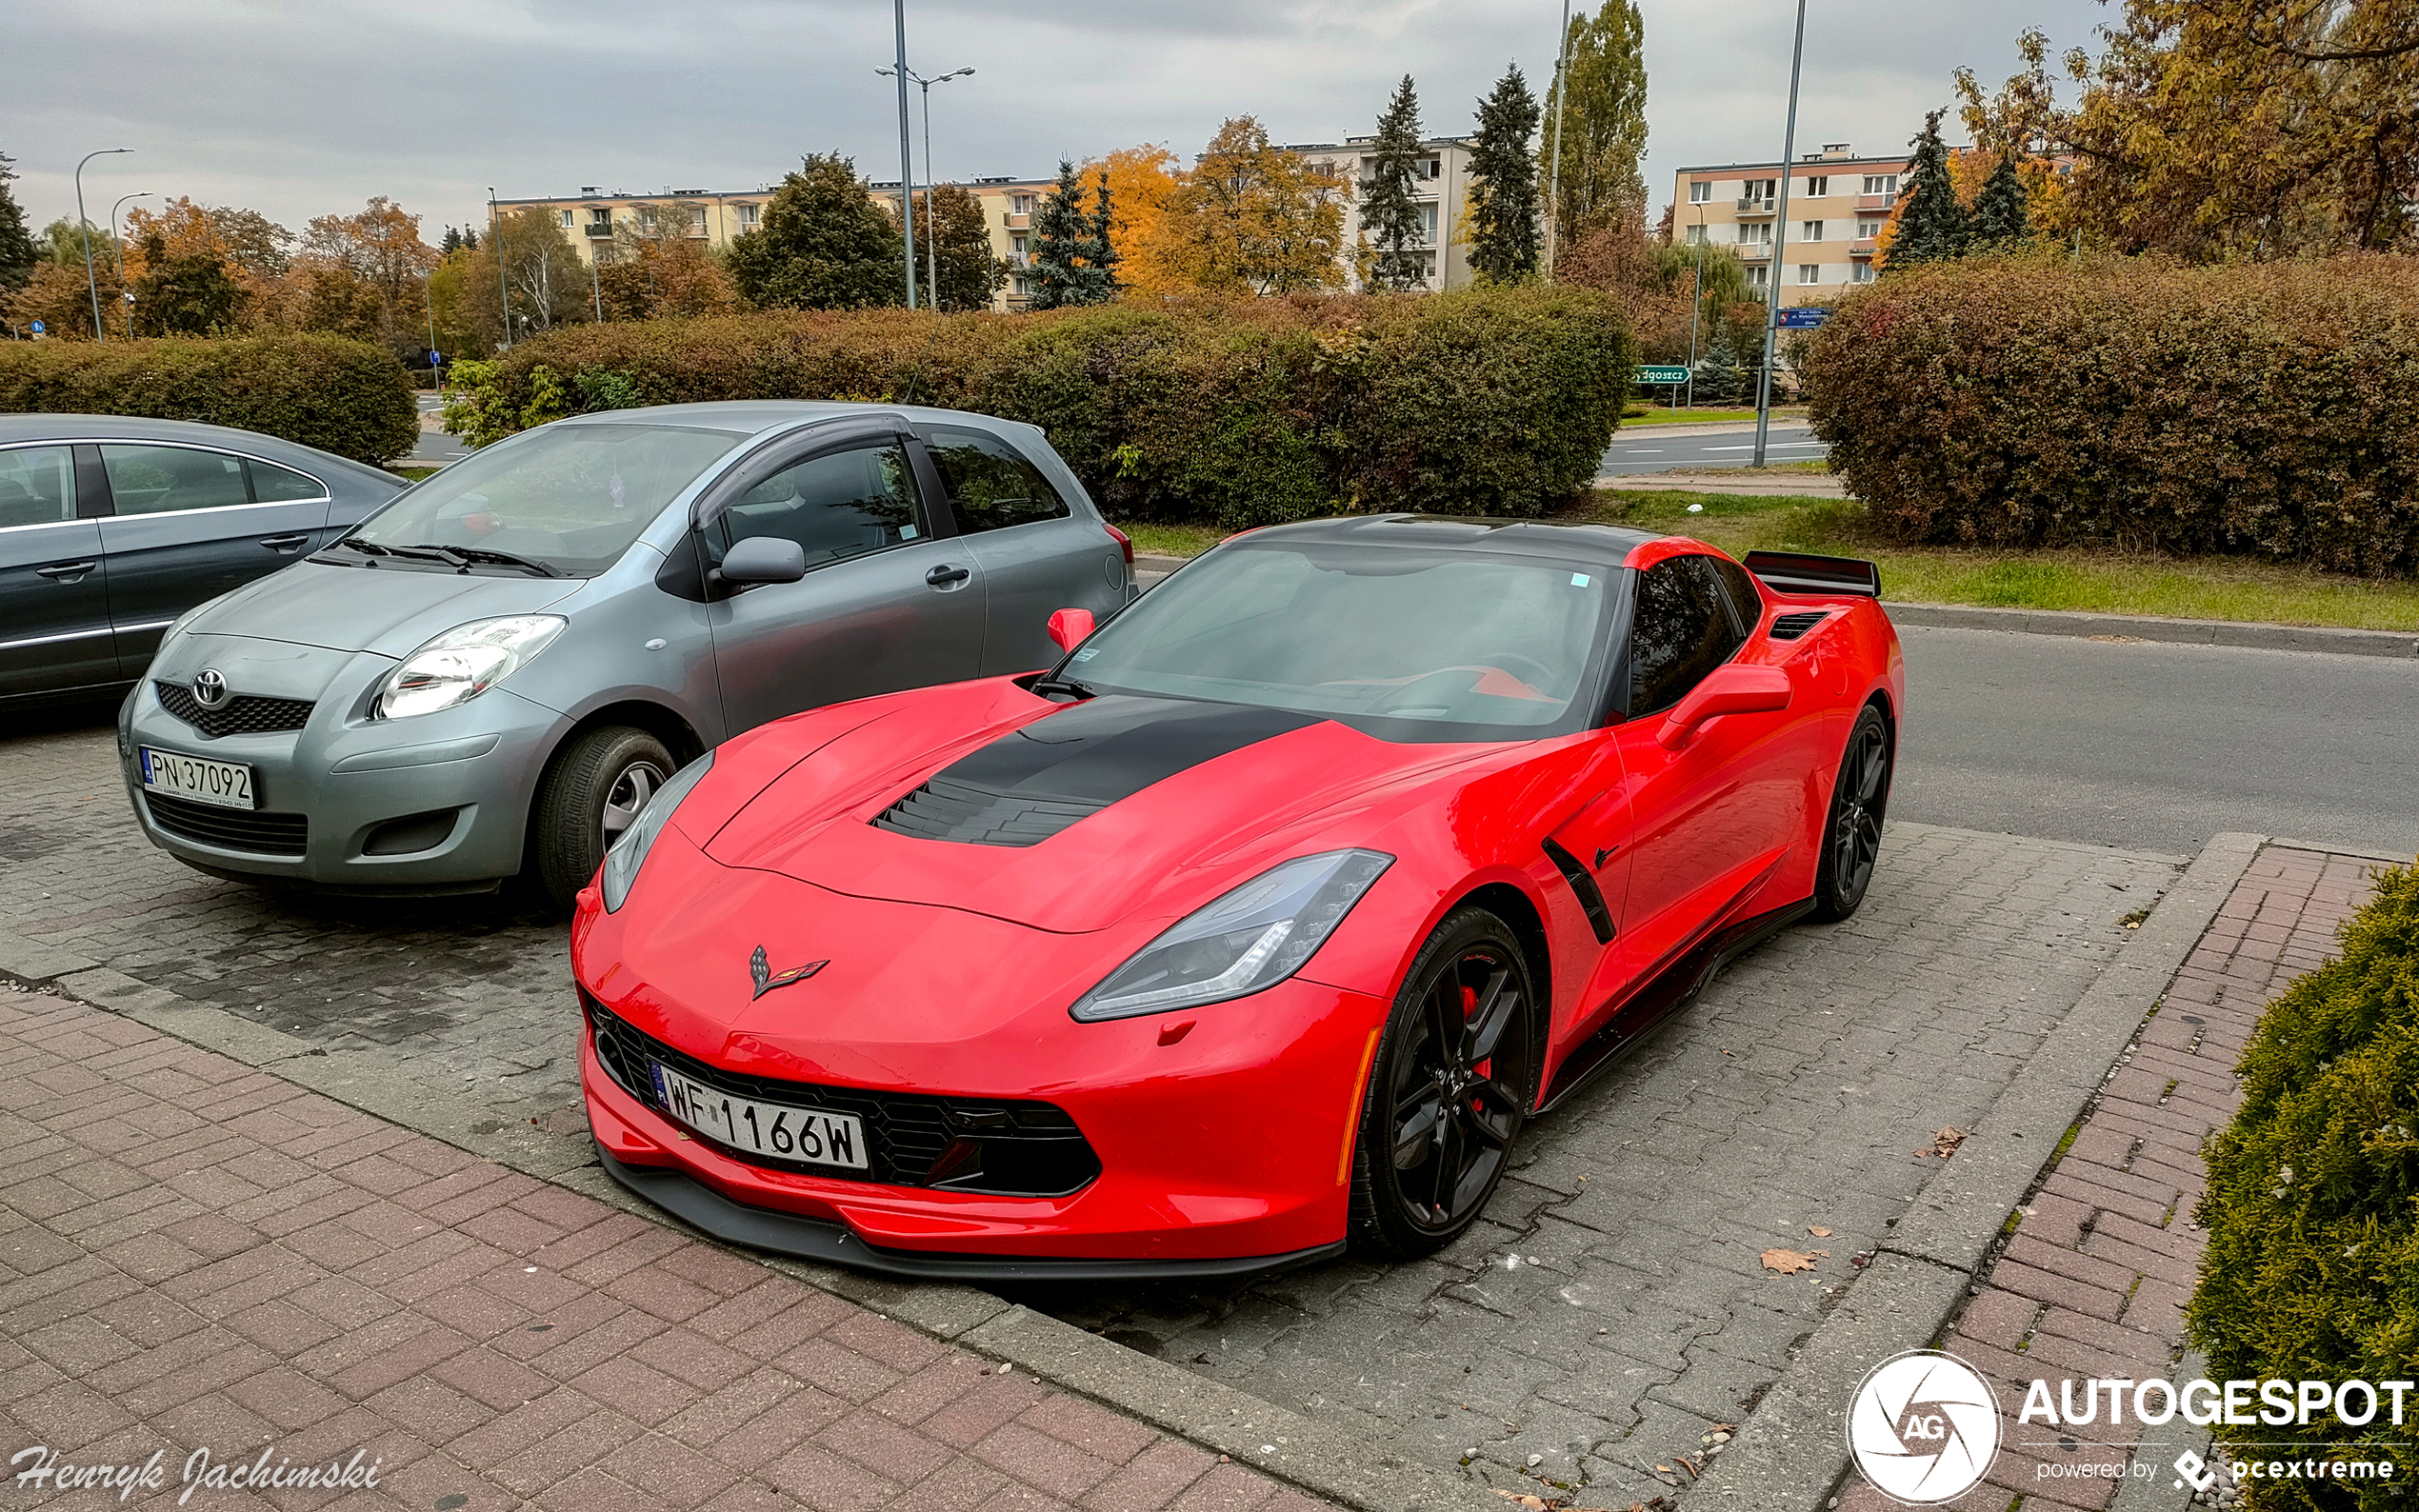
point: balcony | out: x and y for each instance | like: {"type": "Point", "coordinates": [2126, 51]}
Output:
{"type": "Point", "coordinates": [1862, 246]}
{"type": "Point", "coordinates": [1755, 251]}
{"type": "Point", "coordinates": [1755, 207]}
{"type": "Point", "coordinates": [598, 230]}
{"type": "Point", "coordinates": [1018, 222]}
{"type": "Point", "coordinates": [1875, 201]}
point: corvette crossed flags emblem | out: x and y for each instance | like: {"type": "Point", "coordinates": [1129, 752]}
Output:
{"type": "Point", "coordinates": [761, 969]}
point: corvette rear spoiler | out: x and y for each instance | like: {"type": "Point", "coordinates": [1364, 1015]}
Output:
{"type": "Point", "coordinates": [1797, 572]}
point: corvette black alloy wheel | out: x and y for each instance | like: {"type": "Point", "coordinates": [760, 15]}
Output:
{"type": "Point", "coordinates": [1853, 834]}
{"type": "Point", "coordinates": [1448, 1092]}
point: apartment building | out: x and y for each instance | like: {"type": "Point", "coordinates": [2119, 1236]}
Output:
{"type": "Point", "coordinates": [1441, 181]}
{"type": "Point", "coordinates": [590, 218]}
{"type": "Point", "coordinates": [1007, 206]}
{"type": "Point", "coordinates": [1837, 204]}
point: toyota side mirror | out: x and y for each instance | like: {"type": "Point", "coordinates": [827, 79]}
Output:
{"type": "Point", "coordinates": [1069, 628]}
{"type": "Point", "coordinates": [1732, 688]}
{"type": "Point", "coordinates": [761, 559]}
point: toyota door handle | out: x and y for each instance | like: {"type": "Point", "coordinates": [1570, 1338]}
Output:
{"type": "Point", "coordinates": [283, 543]}
{"type": "Point", "coordinates": [941, 577]}
{"type": "Point", "coordinates": [71, 570]}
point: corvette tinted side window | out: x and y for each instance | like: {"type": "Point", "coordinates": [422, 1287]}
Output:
{"type": "Point", "coordinates": [1680, 631]}
{"type": "Point", "coordinates": [1744, 602]}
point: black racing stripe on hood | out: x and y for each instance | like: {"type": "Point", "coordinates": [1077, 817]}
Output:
{"type": "Point", "coordinates": [1037, 780]}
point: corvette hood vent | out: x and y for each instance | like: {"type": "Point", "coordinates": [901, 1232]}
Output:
{"type": "Point", "coordinates": [1039, 778]}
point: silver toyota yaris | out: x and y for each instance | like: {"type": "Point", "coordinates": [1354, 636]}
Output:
{"type": "Point", "coordinates": [490, 676]}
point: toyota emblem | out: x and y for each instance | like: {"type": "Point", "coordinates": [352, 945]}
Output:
{"type": "Point", "coordinates": [210, 687]}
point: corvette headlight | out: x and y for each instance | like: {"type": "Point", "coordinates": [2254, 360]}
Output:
{"type": "Point", "coordinates": [630, 851]}
{"type": "Point", "coordinates": [463, 663]}
{"type": "Point", "coordinates": [1254, 937]}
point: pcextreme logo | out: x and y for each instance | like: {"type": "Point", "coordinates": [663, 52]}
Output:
{"type": "Point", "coordinates": [1923, 1427]}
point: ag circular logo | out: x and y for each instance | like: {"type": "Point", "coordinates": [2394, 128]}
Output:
{"type": "Point", "coordinates": [209, 689]}
{"type": "Point", "coordinates": [1923, 1427]}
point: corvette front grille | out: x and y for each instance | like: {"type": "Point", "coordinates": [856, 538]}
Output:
{"type": "Point", "coordinates": [1013, 1147]}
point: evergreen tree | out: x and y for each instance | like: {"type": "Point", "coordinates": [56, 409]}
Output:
{"type": "Point", "coordinates": [1392, 221]}
{"type": "Point", "coordinates": [1603, 125]}
{"type": "Point", "coordinates": [969, 273]}
{"type": "Point", "coordinates": [826, 244]}
{"type": "Point", "coordinates": [1502, 199]}
{"type": "Point", "coordinates": [470, 238]}
{"type": "Point", "coordinates": [452, 241]}
{"type": "Point", "coordinates": [1932, 225]}
{"type": "Point", "coordinates": [17, 252]}
{"type": "Point", "coordinates": [1061, 233]}
{"type": "Point", "coordinates": [1100, 249]}
{"type": "Point", "coordinates": [2001, 218]}
{"type": "Point", "coordinates": [1720, 379]}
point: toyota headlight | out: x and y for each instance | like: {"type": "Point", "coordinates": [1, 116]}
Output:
{"type": "Point", "coordinates": [1253, 937]}
{"type": "Point", "coordinates": [630, 851]}
{"type": "Point", "coordinates": [463, 663]}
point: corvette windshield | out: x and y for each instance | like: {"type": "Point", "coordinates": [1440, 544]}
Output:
{"type": "Point", "coordinates": [572, 498]}
{"type": "Point", "coordinates": [1454, 645]}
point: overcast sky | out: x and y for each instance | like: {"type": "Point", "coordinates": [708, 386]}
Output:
{"type": "Point", "coordinates": [300, 108]}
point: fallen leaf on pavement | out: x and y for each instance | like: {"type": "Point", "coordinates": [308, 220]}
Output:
{"type": "Point", "coordinates": [1789, 1262]}
{"type": "Point", "coordinates": [1945, 1142]}
{"type": "Point", "coordinates": [1818, 1232]}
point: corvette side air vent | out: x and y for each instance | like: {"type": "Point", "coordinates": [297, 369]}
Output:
{"type": "Point", "coordinates": [947, 808]}
{"type": "Point", "coordinates": [1790, 626]}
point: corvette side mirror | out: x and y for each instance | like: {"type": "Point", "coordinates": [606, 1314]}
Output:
{"type": "Point", "coordinates": [1732, 688]}
{"type": "Point", "coordinates": [1069, 628]}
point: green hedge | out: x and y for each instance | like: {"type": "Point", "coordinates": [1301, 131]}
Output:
{"type": "Point", "coordinates": [2037, 400]}
{"type": "Point", "coordinates": [2312, 1210]}
{"type": "Point", "coordinates": [342, 396]}
{"type": "Point", "coordinates": [1485, 402]}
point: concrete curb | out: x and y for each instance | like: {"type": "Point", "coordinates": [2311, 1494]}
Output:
{"type": "Point", "coordinates": [1313, 1457]}
{"type": "Point", "coordinates": [1790, 1453]}
{"type": "Point", "coordinates": [1676, 480]}
{"type": "Point", "coordinates": [2245, 634]}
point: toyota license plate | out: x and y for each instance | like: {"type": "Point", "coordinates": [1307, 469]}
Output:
{"type": "Point", "coordinates": [227, 785]}
{"type": "Point", "coordinates": [764, 1129]}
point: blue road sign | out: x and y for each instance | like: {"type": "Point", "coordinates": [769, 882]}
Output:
{"type": "Point", "coordinates": [1803, 317]}
{"type": "Point", "coordinates": [39, 327]}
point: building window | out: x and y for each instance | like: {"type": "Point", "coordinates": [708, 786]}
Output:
{"type": "Point", "coordinates": [1810, 274]}
{"type": "Point", "coordinates": [1695, 236]}
{"type": "Point", "coordinates": [1020, 204]}
{"type": "Point", "coordinates": [1756, 233]}
{"type": "Point", "coordinates": [1756, 188]}
{"type": "Point", "coordinates": [567, 220]}
{"type": "Point", "coordinates": [1867, 231]}
{"type": "Point", "coordinates": [748, 216]}
{"type": "Point", "coordinates": [1755, 276]}
{"type": "Point", "coordinates": [1427, 225]}
{"type": "Point", "coordinates": [1881, 184]}
{"type": "Point", "coordinates": [1810, 230]}
{"type": "Point", "coordinates": [1700, 192]}
{"type": "Point", "coordinates": [646, 216]}
{"type": "Point", "coordinates": [1817, 187]}
{"type": "Point", "coordinates": [1861, 273]}
{"type": "Point", "coordinates": [1435, 168]}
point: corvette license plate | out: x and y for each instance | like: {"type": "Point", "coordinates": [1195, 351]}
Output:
{"type": "Point", "coordinates": [227, 785]}
{"type": "Point", "coordinates": [764, 1129]}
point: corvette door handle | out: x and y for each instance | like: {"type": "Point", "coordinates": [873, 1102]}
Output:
{"type": "Point", "coordinates": [944, 575]}
{"type": "Point", "coordinates": [69, 569]}
{"type": "Point", "coordinates": [283, 543]}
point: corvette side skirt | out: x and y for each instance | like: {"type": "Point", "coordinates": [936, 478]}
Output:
{"type": "Point", "coordinates": [834, 1244]}
{"type": "Point", "coordinates": [1673, 989]}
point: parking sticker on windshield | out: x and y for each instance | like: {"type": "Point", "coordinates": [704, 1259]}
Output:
{"type": "Point", "coordinates": [1579, 580]}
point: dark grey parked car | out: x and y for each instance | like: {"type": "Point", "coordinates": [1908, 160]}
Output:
{"type": "Point", "coordinates": [495, 674]}
{"type": "Point", "coordinates": [110, 527]}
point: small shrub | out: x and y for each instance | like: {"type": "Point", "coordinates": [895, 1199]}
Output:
{"type": "Point", "coordinates": [2032, 399]}
{"type": "Point", "coordinates": [347, 397]}
{"type": "Point", "coordinates": [2312, 1210]}
{"type": "Point", "coordinates": [1233, 413]}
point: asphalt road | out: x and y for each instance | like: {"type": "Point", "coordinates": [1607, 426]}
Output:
{"type": "Point", "coordinates": [2154, 747]}
{"type": "Point", "coordinates": [1641, 449]}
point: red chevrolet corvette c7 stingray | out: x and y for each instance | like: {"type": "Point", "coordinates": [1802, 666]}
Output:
{"type": "Point", "coordinates": [1256, 927]}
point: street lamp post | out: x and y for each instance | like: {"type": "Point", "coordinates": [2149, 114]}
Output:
{"type": "Point", "coordinates": [932, 238]}
{"type": "Point", "coordinates": [427, 302]}
{"type": "Point", "coordinates": [1780, 241]}
{"type": "Point", "coordinates": [84, 233]}
{"type": "Point", "coordinates": [1553, 172]}
{"type": "Point", "coordinates": [1697, 307]}
{"type": "Point", "coordinates": [907, 160]}
{"type": "Point", "coordinates": [126, 295]}
{"type": "Point", "coordinates": [495, 235]}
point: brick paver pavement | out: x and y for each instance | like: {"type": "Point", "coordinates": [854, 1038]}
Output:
{"type": "Point", "coordinates": [195, 1255]}
{"type": "Point", "coordinates": [2094, 1281]}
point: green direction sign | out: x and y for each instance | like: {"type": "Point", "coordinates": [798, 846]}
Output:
{"type": "Point", "coordinates": [1662, 376]}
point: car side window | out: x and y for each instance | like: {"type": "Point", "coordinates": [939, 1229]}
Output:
{"type": "Point", "coordinates": [1746, 602]}
{"type": "Point", "coordinates": [273, 484]}
{"type": "Point", "coordinates": [37, 486]}
{"type": "Point", "coordinates": [1679, 630]}
{"type": "Point", "coordinates": [159, 480]}
{"type": "Point", "coordinates": [839, 505]}
{"type": "Point", "coordinates": [990, 481]}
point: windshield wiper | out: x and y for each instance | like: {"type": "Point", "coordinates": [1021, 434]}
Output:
{"type": "Point", "coordinates": [480, 553]}
{"type": "Point", "coordinates": [1063, 684]}
{"type": "Point", "coordinates": [368, 547]}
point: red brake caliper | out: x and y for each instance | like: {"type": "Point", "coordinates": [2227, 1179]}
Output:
{"type": "Point", "coordinates": [1469, 1006]}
